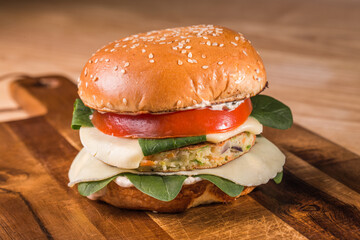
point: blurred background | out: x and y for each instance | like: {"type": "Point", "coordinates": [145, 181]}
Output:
{"type": "Point", "coordinates": [311, 48]}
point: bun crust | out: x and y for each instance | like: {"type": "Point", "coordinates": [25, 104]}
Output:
{"type": "Point", "coordinates": [203, 192]}
{"type": "Point", "coordinates": [172, 69]}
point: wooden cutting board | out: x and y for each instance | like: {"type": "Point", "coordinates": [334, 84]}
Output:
{"type": "Point", "coordinates": [319, 197]}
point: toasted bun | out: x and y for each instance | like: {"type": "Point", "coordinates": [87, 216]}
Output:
{"type": "Point", "coordinates": [172, 69]}
{"type": "Point", "coordinates": [203, 192]}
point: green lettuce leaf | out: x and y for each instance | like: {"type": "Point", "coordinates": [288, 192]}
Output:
{"type": "Point", "coordinates": [81, 115]}
{"type": "Point", "coordinates": [164, 188]}
{"type": "Point", "coordinates": [153, 146]}
{"type": "Point", "coordinates": [278, 178]}
{"type": "Point", "coordinates": [270, 112]}
{"type": "Point", "coordinates": [230, 188]}
{"type": "Point", "coordinates": [88, 188]}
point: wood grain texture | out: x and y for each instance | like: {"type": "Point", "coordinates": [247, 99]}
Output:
{"type": "Point", "coordinates": [314, 201]}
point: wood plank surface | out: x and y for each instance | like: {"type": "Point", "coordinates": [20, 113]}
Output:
{"type": "Point", "coordinates": [314, 201]}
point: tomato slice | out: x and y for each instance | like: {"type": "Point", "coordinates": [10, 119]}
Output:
{"type": "Point", "coordinates": [176, 124]}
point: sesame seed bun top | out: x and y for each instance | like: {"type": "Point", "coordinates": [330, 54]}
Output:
{"type": "Point", "coordinates": [172, 69]}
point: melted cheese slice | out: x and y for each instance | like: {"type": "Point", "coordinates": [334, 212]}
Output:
{"type": "Point", "coordinates": [256, 167]}
{"type": "Point", "coordinates": [250, 125]}
{"type": "Point", "coordinates": [126, 152]}
{"type": "Point", "coordinates": [120, 152]}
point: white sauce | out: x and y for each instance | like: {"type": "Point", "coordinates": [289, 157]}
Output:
{"type": "Point", "coordinates": [192, 180]}
{"type": "Point", "coordinates": [124, 182]}
{"type": "Point", "coordinates": [216, 107]}
{"type": "Point", "coordinates": [98, 194]}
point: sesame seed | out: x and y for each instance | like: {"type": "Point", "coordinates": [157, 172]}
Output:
{"type": "Point", "coordinates": [233, 43]}
{"type": "Point", "coordinates": [90, 61]}
{"type": "Point", "coordinates": [96, 60]}
{"type": "Point", "coordinates": [187, 40]}
{"type": "Point", "coordinates": [85, 72]}
{"type": "Point", "coordinates": [116, 68]}
{"type": "Point", "coordinates": [205, 37]}
{"type": "Point", "coordinates": [124, 46]}
{"type": "Point", "coordinates": [244, 52]}
{"type": "Point", "coordinates": [190, 61]}
{"type": "Point", "coordinates": [203, 56]}
{"type": "Point", "coordinates": [183, 51]}
{"type": "Point", "coordinates": [122, 70]}
{"type": "Point", "coordinates": [94, 97]}
{"type": "Point", "coordinates": [151, 55]}
{"type": "Point", "coordinates": [112, 50]}
{"type": "Point", "coordinates": [220, 62]}
{"type": "Point", "coordinates": [188, 47]}
{"type": "Point", "coordinates": [95, 79]}
{"type": "Point", "coordinates": [124, 101]}
{"type": "Point", "coordinates": [151, 60]}
{"type": "Point", "coordinates": [126, 64]}
{"type": "Point", "coordinates": [107, 60]}
{"type": "Point", "coordinates": [257, 70]}
{"type": "Point", "coordinates": [194, 61]}
{"type": "Point", "coordinates": [180, 62]}
{"type": "Point", "coordinates": [205, 67]}
{"type": "Point", "coordinates": [237, 38]}
{"type": "Point", "coordinates": [86, 84]}
{"type": "Point", "coordinates": [106, 50]}
{"type": "Point", "coordinates": [178, 102]}
{"type": "Point", "coordinates": [221, 45]}
{"type": "Point", "coordinates": [143, 50]}
{"type": "Point", "coordinates": [215, 44]}
{"type": "Point", "coordinates": [202, 43]}
{"type": "Point", "coordinates": [175, 48]}
{"type": "Point", "coordinates": [208, 43]}
{"type": "Point", "coordinates": [190, 55]}
{"type": "Point", "coordinates": [91, 76]}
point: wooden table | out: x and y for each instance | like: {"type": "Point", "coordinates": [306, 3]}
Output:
{"type": "Point", "coordinates": [311, 51]}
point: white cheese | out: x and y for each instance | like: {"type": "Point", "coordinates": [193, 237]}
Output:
{"type": "Point", "coordinates": [256, 167]}
{"type": "Point", "coordinates": [250, 125]}
{"type": "Point", "coordinates": [120, 152]}
{"type": "Point", "coordinates": [126, 152]}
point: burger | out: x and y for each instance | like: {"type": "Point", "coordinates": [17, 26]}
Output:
{"type": "Point", "coordinates": [172, 119]}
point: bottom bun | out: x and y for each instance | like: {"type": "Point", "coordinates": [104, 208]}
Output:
{"type": "Point", "coordinates": [203, 192]}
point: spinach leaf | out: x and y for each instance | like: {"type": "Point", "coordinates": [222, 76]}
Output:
{"type": "Point", "coordinates": [88, 188]}
{"type": "Point", "coordinates": [277, 179]}
{"type": "Point", "coordinates": [230, 188]}
{"type": "Point", "coordinates": [164, 188]}
{"type": "Point", "coordinates": [270, 112]}
{"type": "Point", "coordinates": [153, 146]}
{"type": "Point", "coordinates": [81, 115]}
